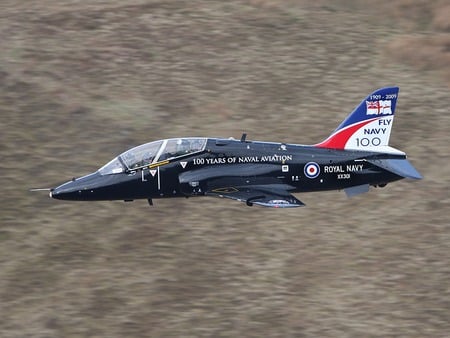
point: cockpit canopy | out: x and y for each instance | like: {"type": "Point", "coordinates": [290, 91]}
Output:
{"type": "Point", "coordinates": [153, 152]}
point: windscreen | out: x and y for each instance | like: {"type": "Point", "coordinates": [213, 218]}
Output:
{"type": "Point", "coordinates": [112, 167]}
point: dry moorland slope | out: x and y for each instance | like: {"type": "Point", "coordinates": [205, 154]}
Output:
{"type": "Point", "coordinates": [80, 83]}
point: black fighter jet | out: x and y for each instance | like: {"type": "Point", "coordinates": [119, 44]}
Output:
{"type": "Point", "coordinates": [355, 156]}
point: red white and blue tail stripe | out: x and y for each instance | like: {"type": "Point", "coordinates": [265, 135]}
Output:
{"type": "Point", "coordinates": [369, 126]}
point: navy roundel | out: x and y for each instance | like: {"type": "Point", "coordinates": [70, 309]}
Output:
{"type": "Point", "coordinates": [311, 170]}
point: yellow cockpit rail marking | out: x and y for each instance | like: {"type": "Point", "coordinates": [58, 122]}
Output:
{"type": "Point", "coordinates": [158, 164]}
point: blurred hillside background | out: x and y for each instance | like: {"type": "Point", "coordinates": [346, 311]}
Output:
{"type": "Point", "coordinates": [80, 82]}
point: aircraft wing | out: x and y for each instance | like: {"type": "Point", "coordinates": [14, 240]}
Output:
{"type": "Point", "coordinates": [266, 196]}
{"type": "Point", "coordinates": [253, 184]}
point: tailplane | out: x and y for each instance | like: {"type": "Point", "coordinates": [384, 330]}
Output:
{"type": "Point", "coordinates": [369, 126]}
{"type": "Point", "coordinates": [398, 166]}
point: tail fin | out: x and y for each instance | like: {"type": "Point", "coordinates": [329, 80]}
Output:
{"type": "Point", "coordinates": [369, 126]}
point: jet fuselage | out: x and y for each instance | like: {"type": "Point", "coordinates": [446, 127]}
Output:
{"type": "Point", "coordinates": [234, 163]}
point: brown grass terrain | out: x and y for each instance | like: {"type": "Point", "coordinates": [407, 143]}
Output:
{"type": "Point", "coordinates": [81, 83]}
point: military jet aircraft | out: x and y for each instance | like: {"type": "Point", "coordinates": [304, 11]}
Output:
{"type": "Point", "coordinates": [355, 156]}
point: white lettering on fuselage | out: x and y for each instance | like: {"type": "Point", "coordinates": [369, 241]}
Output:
{"type": "Point", "coordinates": [242, 159]}
{"type": "Point", "coordinates": [332, 169]}
{"type": "Point", "coordinates": [217, 160]}
{"type": "Point", "coordinates": [354, 167]}
{"type": "Point", "coordinates": [276, 158]}
{"type": "Point", "coordinates": [329, 169]}
{"type": "Point", "coordinates": [248, 159]}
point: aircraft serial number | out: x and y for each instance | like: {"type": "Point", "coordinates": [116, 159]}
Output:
{"type": "Point", "coordinates": [343, 176]}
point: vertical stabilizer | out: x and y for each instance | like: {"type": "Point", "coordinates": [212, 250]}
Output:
{"type": "Point", "coordinates": [369, 126]}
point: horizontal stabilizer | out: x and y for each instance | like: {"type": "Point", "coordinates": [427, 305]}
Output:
{"type": "Point", "coordinates": [400, 167]}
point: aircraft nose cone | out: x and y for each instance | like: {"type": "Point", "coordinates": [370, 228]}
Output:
{"type": "Point", "coordinates": [66, 191]}
{"type": "Point", "coordinates": [75, 190]}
